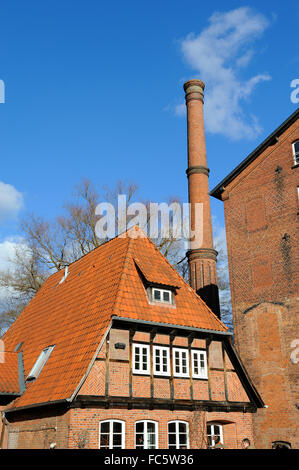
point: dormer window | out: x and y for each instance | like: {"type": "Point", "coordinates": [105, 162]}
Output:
{"type": "Point", "coordinates": [41, 361]}
{"type": "Point", "coordinates": [161, 295]}
{"type": "Point", "coordinates": [295, 146]}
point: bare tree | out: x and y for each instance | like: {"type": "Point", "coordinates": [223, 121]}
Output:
{"type": "Point", "coordinates": [49, 245]}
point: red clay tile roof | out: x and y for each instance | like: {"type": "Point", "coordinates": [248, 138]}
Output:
{"type": "Point", "coordinates": [75, 314]}
{"type": "Point", "coordinates": [9, 373]}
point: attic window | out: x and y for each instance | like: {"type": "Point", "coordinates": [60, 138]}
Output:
{"type": "Point", "coordinates": [161, 295]}
{"type": "Point", "coordinates": [295, 146]}
{"type": "Point", "coordinates": [41, 361]}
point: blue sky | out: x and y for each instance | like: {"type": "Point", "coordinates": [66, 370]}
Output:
{"type": "Point", "coordinates": [94, 89]}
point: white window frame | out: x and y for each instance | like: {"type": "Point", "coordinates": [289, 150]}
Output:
{"type": "Point", "coordinates": [199, 375]}
{"type": "Point", "coordinates": [161, 349]}
{"type": "Point", "coordinates": [123, 433]}
{"type": "Point", "coordinates": [162, 300]}
{"type": "Point", "coordinates": [141, 371]}
{"type": "Point", "coordinates": [40, 363]}
{"type": "Point", "coordinates": [212, 424]}
{"type": "Point", "coordinates": [295, 154]}
{"type": "Point", "coordinates": [177, 441]}
{"type": "Point", "coordinates": [181, 351]}
{"type": "Point", "coordinates": [145, 433]}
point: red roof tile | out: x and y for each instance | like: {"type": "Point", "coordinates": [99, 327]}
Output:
{"type": "Point", "coordinates": [9, 373]}
{"type": "Point", "coordinates": [75, 314]}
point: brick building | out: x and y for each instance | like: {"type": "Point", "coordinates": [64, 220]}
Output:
{"type": "Point", "coordinates": [119, 351]}
{"type": "Point", "coordinates": [261, 208]}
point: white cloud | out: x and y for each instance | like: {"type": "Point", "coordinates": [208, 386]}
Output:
{"type": "Point", "coordinates": [218, 55]}
{"type": "Point", "coordinates": [7, 253]}
{"type": "Point", "coordinates": [11, 201]}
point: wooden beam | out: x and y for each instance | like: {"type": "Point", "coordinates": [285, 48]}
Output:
{"type": "Point", "coordinates": [131, 336]}
{"type": "Point", "coordinates": [152, 336]}
{"type": "Point", "coordinates": [171, 384]}
{"type": "Point", "coordinates": [162, 403]}
{"type": "Point", "coordinates": [224, 373]}
{"type": "Point", "coordinates": [107, 366]}
{"type": "Point", "coordinates": [190, 340]}
{"type": "Point", "coordinates": [208, 342]}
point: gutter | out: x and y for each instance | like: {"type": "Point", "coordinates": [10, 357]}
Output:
{"type": "Point", "coordinates": [36, 405]}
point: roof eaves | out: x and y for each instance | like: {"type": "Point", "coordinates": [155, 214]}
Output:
{"type": "Point", "coordinates": [36, 405]}
{"type": "Point", "coordinates": [172, 325]}
{"type": "Point", "coordinates": [216, 192]}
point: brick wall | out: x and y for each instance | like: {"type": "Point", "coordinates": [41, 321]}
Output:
{"type": "Point", "coordinates": [262, 222]}
{"type": "Point", "coordinates": [37, 429]}
{"type": "Point", "coordinates": [236, 426]}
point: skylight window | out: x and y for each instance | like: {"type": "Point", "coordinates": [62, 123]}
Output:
{"type": "Point", "coordinates": [41, 361]}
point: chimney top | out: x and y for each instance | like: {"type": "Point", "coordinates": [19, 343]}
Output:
{"type": "Point", "coordinates": [194, 90]}
{"type": "Point", "coordinates": [194, 83]}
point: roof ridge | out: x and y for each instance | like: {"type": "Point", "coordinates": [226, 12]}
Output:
{"type": "Point", "coordinates": [186, 283]}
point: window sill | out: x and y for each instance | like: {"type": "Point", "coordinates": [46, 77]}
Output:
{"type": "Point", "coordinates": [295, 166]}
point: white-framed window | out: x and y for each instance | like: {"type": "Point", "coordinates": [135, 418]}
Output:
{"type": "Point", "coordinates": [41, 361]}
{"type": "Point", "coordinates": [146, 434]}
{"type": "Point", "coordinates": [141, 359]}
{"type": "Point", "coordinates": [180, 362]}
{"type": "Point", "coordinates": [199, 364]}
{"type": "Point", "coordinates": [295, 146]}
{"type": "Point", "coordinates": [214, 430]}
{"type": "Point", "coordinates": [178, 435]}
{"type": "Point", "coordinates": [112, 434]}
{"type": "Point", "coordinates": [161, 295]}
{"type": "Point", "coordinates": [161, 360]}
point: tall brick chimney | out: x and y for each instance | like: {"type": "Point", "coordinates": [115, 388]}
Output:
{"type": "Point", "coordinates": [201, 256]}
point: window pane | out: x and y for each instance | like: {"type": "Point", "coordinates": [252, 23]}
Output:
{"type": "Point", "coordinates": [183, 439]}
{"type": "Point", "coordinates": [172, 439]}
{"type": "Point", "coordinates": [150, 427]}
{"type": "Point", "coordinates": [104, 441]}
{"type": "Point", "coordinates": [157, 295]}
{"type": "Point", "coordinates": [182, 427]}
{"type": "Point", "coordinates": [166, 296]}
{"type": "Point", "coordinates": [105, 427]}
{"type": "Point", "coordinates": [139, 440]}
{"type": "Point", "coordinates": [216, 430]}
{"type": "Point", "coordinates": [151, 441]}
{"type": "Point", "coordinates": [171, 427]}
{"type": "Point", "coordinates": [139, 427]}
{"type": "Point", "coordinates": [117, 440]}
{"type": "Point", "coordinates": [117, 427]}
{"type": "Point", "coordinates": [209, 429]}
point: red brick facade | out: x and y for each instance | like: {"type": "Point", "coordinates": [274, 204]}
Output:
{"type": "Point", "coordinates": [262, 225]}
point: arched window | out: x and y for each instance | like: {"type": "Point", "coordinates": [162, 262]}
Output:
{"type": "Point", "coordinates": [146, 435]}
{"type": "Point", "coordinates": [178, 435]}
{"type": "Point", "coordinates": [281, 445]}
{"type": "Point", "coordinates": [295, 146]}
{"type": "Point", "coordinates": [112, 434]}
{"type": "Point", "coordinates": [214, 430]}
